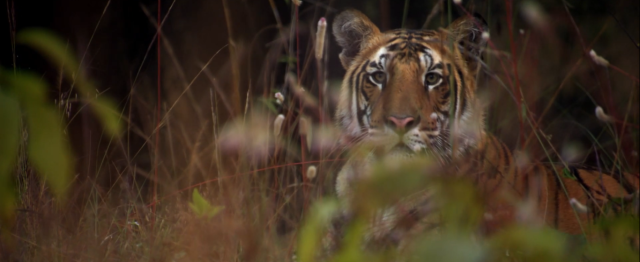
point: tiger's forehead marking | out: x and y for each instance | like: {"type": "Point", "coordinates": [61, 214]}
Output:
{"type": "Point", "coordinates": [405, 46]}
{"type": "Point", "coordinates": [379, 60]}
{"type": "Point", "coordinates": [409, 44]}
{"type": "Point", "coordinates": [430, 59]}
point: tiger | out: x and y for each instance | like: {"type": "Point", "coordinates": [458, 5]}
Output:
{"type": "Point", "coordinates": [413, 92]}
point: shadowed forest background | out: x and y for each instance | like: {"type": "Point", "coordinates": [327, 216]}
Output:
{"type": "Point", "coordinates": [219, 66]}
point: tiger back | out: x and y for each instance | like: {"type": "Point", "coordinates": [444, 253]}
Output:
{"type": "Point", "coordinates": [566, 197]}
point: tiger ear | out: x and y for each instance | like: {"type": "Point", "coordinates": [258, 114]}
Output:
{"type": "Point", "coordinates": [352, 30]}
{"type": "Point", "coordinates": [467, 32]}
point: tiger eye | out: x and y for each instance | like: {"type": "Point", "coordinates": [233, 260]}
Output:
{"type": "Point", "coordinates": [432, 79]}
{"type": "Point", "coordinates": [379, 77]}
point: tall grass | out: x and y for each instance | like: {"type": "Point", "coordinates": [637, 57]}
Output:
{"type": "Point", "coordinates": [216, 132]}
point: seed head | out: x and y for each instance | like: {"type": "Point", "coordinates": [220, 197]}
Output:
{"type": "Point", "coordinates": [311, 172]}
{"type": "Point", "coordinates": [577, 206]}
{"type": "Point", "coordinates": [602, 116]}
{"type": "Point", "coordinates": [598, 59]}
{"type": "Point", "coordinates": [485, 35]}
{"type": "Point", "coordinates": [279, 98]}
{"type": "Point", "coordinates": [534, 15]}
{"type": "Point", "coordinates": [277, 124]}
{"type": "Point", "coordinates": [320, 34]}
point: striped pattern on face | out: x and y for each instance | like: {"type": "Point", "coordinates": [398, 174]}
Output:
{"type": "Point", "coordinates": [410, 74]}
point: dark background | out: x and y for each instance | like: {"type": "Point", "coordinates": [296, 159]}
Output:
{"type": "Point", "coordinates": [115, 49]}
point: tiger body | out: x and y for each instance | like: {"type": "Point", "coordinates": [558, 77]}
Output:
{"type": "Point", "coordinates": [551, 188]}
{"type": "Point", "coordinates": [413, 92]}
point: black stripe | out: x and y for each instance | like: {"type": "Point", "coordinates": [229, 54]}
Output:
{"type": "Point", "coordinates": [430, 60]}
{"type": "Point", "coordinates": [382, 57]}
{"type": "Point", "coordinates": [453, 86]}
{"type": "Point", "coordinates": [420, 46]}
{"type": "Point", "coordinates": [556, 200]}
{"type": "Point", "coordinates": [526, 179]}
{"type": "Point", "coordinates": [359, 77]}
{"type": "Point", "coordinates": [351, 86]}
{"type": "Point", "coordinates": [358, 110]}
{"type": "Point", "coordinates": [444, 113]}
{"type": "Point", "coordinates": [364, 93]}
{"type": "Point", "coordinates": [351, 76]}
{"type": "Point", "coordinates": [587, 189]}
{"type": "Point", "coordinates": [506, 152]}
{"type": "Point", "coordinates": [361, 74]}
{"type": "Point", "coordinates": [623, 181]}
{"type": "Point", "coordinates": [497, 145]}
{"type": "Point", "coordinates": [540, 175]}
{"type": "Point", "coordinates": [576, 173]}
{"type": "Point", "coordinates": [446, 94]}
{"type": "Point", "coordinates": [394, 39]}
{"type": "Point", "coordinates": [436, 66]}
{"type": "Point", "coordinates": [393, 47]}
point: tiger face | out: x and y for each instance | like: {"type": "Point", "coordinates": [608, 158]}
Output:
{"type": "Point", "coordinates": [410, 91]}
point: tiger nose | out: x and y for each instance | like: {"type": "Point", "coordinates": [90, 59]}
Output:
{"type": "Point", "coordinates": [401, 124]}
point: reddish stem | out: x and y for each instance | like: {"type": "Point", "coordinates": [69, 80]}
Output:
{"type": "Point", "coordinates": [303, 147]}
{"type": "Point", "coordinates": [516, 89]}
{"type": "Point", "coordinates": [155, 182]}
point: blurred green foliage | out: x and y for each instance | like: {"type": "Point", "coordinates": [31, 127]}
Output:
{"type": "Point", "coordinates": [24, 99]}
{"type": "Point", "coordinates": [311, 233]}
{"type": "Point", "coordinates": [54, 49]}
{"type": "Point", "coordinates": [455, 235]}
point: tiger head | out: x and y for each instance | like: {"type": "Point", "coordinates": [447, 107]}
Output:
{"type": "Point", "coordinates": [412, 89]}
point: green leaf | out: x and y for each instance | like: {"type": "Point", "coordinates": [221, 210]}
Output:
{"type": "Point", "coordinates": [27, 87]}
{"type": "Point", "coordinates": [351, 245]}
{"type": "Point", "coordinates": [291, 60]}
{"type": "Point", "coordinates": [530, 244]}
{"type": "Point", "coordinates": [48, 147]}
{"type": "Point", "coordinates": [9, 142]}
{"type": "Point", "coordinates": [311, 233]}
{"type": "Point", "coordinates": [50, 45]}
{"type": "Point", "coordinates": [105, 108]}
{"type": "Point", "coordinates": [449, 247]}
{"type": "Point", "coordinates": [615, 244]}
{"type": "Point", "coordinates": [10, 130]}
{"type": "Point", "coordinates": [201, 207]}
{"type": "Point", "coordinates": [566, 173]}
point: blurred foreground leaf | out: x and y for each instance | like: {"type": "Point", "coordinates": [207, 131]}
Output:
{"type": "Point", "coordinates": [621, 241]}
{"type": "Point", "coordinates": [313, 229]}
{"type": "Point", "coordinates": [351, 246]}
{"type": "Point", "coordinates": [28, 88]}
{"type": "Point", "coordinates": [449, 248]}
{"type": "Point", "coordinates": [50, 45]}
{"type": "Point", "coordinates": [522, 243]}
{"type": "Point", "coordinates": [48, 147]}
{"type": "Point", "coordinates": [9, 142]}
